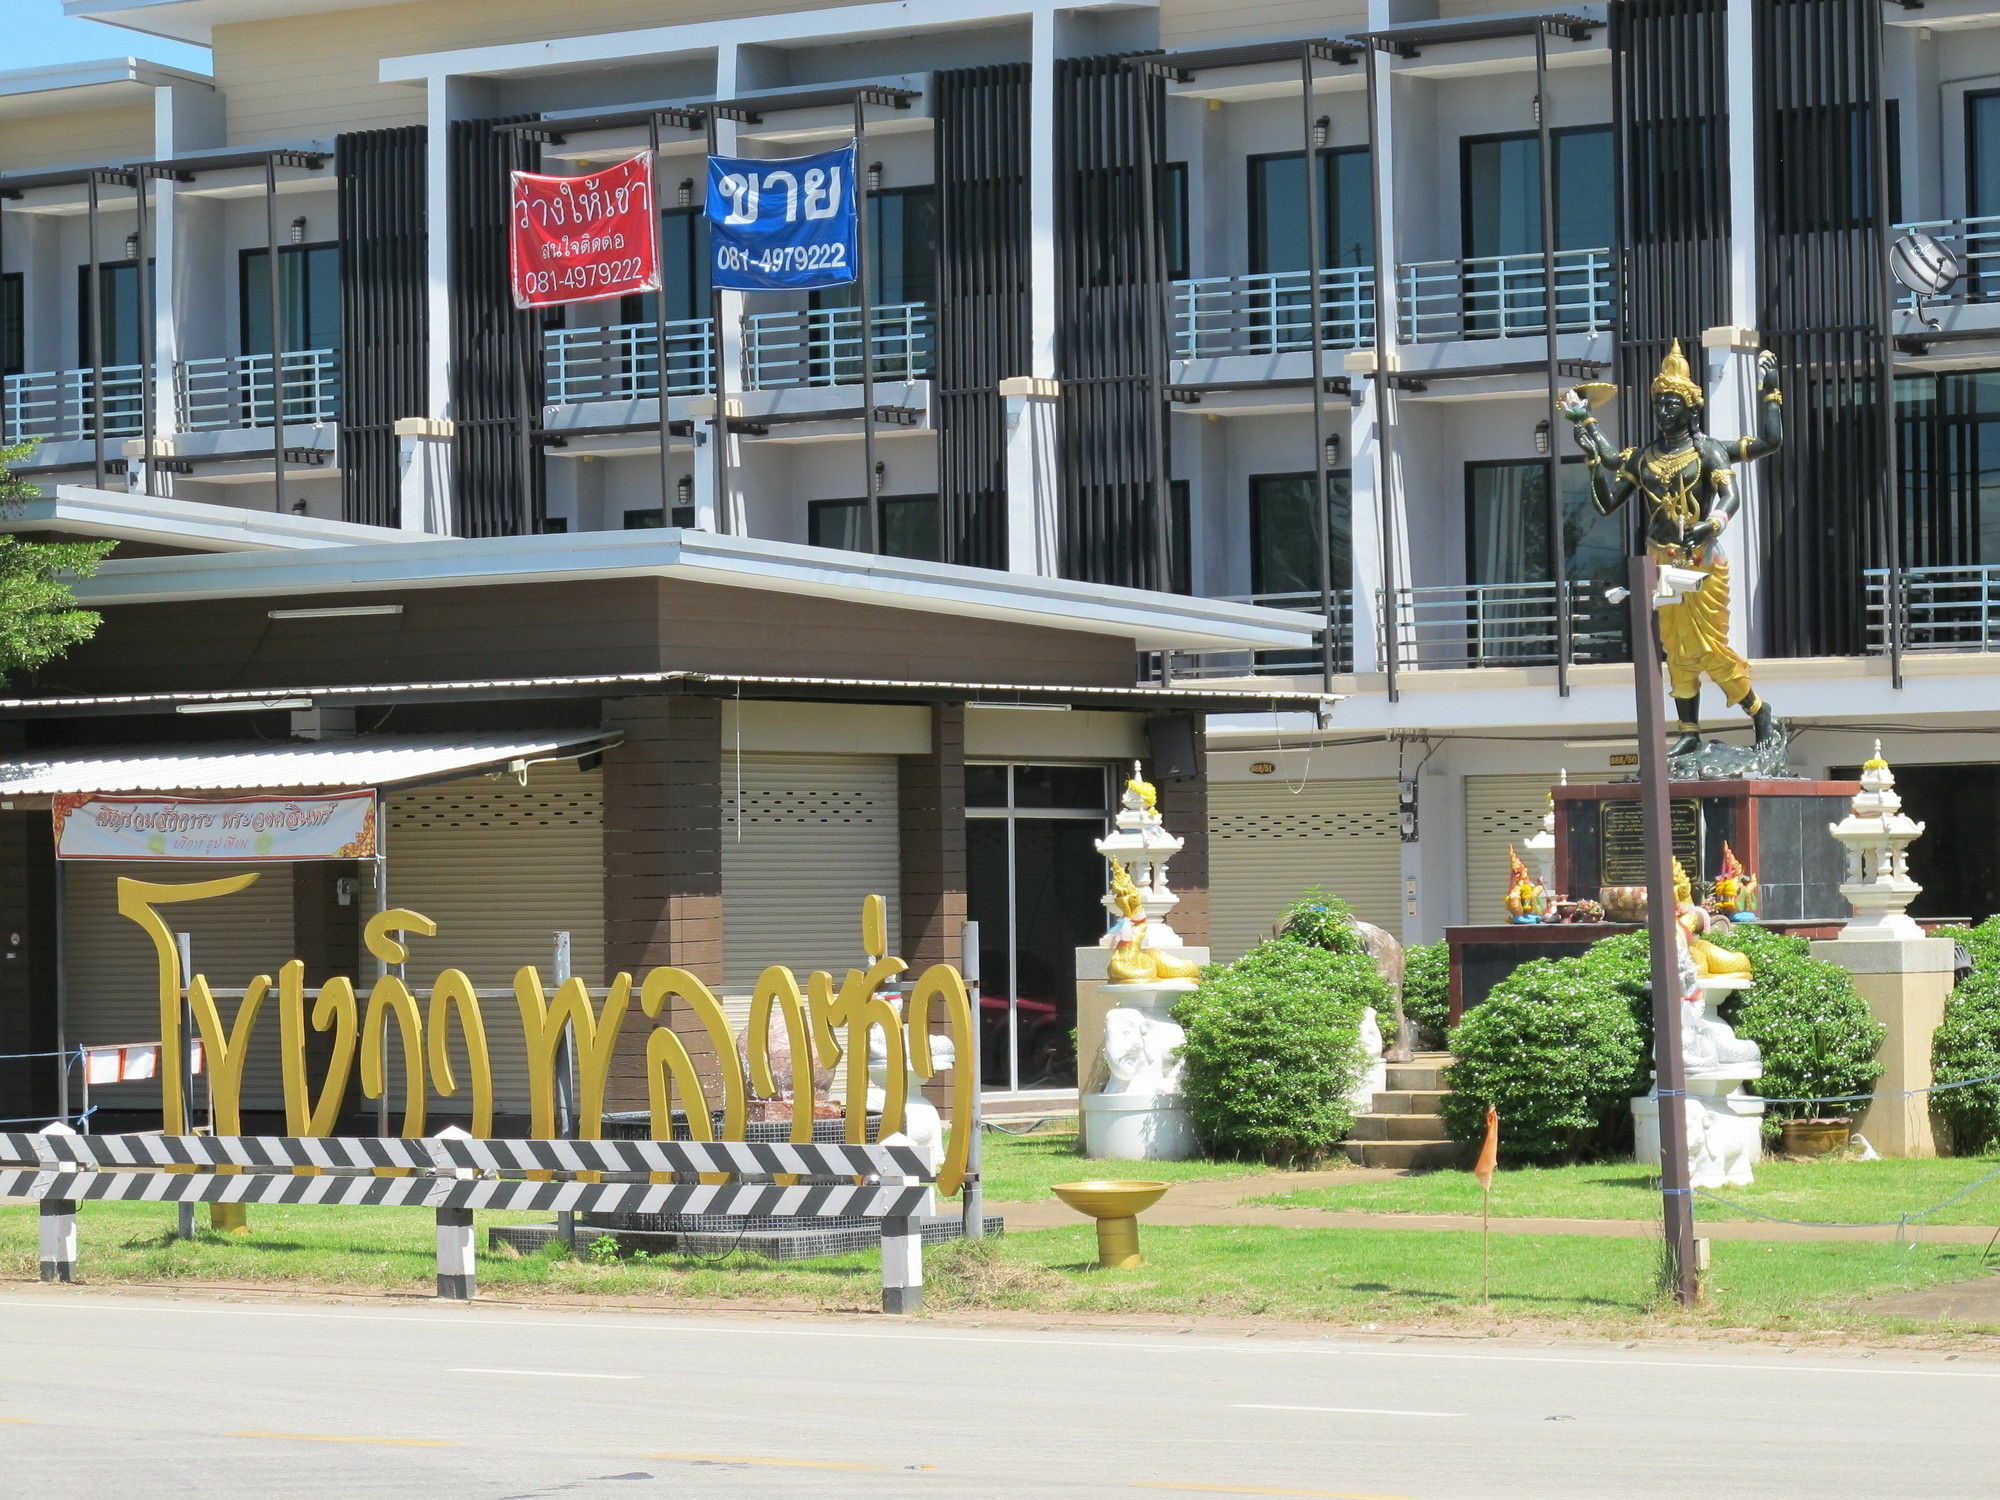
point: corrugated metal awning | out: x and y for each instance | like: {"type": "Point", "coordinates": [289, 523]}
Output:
{"type": "Point", "coordinates": [261, 765]}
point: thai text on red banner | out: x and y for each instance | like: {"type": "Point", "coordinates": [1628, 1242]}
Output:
{"type": "Point", "coordinates": [581, 239]}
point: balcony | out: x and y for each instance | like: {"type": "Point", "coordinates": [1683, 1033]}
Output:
{"type": "Point", "coordinates": [1212, 664]}
{"type": "Point", "coordinates": [1270, 312]}
{"type": "Point", "coordinates": [1502, 625]}
{"type": "Point", "coordinates": [1942, 609]}
{"type": "Point", "coordinates": [622, 362]}
{"type": "Point", "coordinates": [821, 346]}
{"type": "Point", "coordinates": [236, 390]}
{"type": "Point", "coordinates": [58, 406]}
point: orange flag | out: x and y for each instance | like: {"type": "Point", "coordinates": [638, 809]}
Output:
{"type": "Point", "coordinates": [1489, 1150]}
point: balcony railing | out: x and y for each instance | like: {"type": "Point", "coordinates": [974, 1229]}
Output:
{"type": "Point", "coordinates": [622, 362]}
{"type": "Point", "coordinates": [1502, 625]}
{"type": "Point", "coordinates": [1287, 662]}
{"type": "Point", "coordinates": [822, 346]}
{"type": "Point", "coordinates": [1976, 243]}
{"type": "Point", "coordinates": [235, 390]}
{"type": "Point", "coordinates": [56, 406]}
{"type": "Point", "coordinates": [1942, 609]}
{"type": "Point", "coordinates": [1270, 312]}
{"type": "Point", "coordinates": [1503, 296]}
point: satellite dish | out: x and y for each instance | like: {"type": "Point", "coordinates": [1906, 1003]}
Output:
{"type": "Point", "coordinates": [1925, 267]}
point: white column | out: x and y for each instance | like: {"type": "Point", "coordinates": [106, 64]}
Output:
{"type": "Point", "coordinates": [186, 117]}
{"type": "Point", "coordinates": [57, 1254]}
{"type": "Point", "coordinates": [1032, 474]}
{"type": "Point", "coordinates": [455, 1274]}
{"type": "Point", "coordinates": [1434, 873]}
{"type": "Point", "coordinates": [1366, 519]}
{"type": "Point", "coordinates": [1731, 375]}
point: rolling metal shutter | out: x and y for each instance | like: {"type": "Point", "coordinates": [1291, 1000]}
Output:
{"type": "Point", "coordinates": [1267, 846]}
{"type": "Point", "coordinates": [501, 868]}
{"type": "Point", "coordinates": [113, 982]}
{"type": "Point", "coordinates": [806, 839]}
{"type": "Point", "coordinates": [1499, 810]}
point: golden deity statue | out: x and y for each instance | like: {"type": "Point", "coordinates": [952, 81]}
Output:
{"type": "Point", "coordinates": [1709, 961]}
{"type": "Point", "coordinates": [1689, 489]}
{"type": "Point", "coordinates": [1131, 961]}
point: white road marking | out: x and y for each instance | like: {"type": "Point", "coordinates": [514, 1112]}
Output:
{"type": "Point", "coordinates": [542, 1374]}
{"type": "Point", "coordinates": [1346, 1411]}
{"type": "Point", "coordinates": [749, 1326]}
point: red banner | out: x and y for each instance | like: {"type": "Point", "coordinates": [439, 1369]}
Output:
{"type": "Point", "coordinates": [580, 239]}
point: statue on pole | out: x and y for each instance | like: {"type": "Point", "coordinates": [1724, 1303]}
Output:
{"type": "Point", "coordinates": [1688, 485]}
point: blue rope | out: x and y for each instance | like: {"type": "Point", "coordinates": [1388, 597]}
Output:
{"type": "Point", "coordinates": [1895, 1223]}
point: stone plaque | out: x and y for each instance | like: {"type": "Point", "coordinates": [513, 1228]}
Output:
{"type": "Point", "coordinates": [1622, 840]}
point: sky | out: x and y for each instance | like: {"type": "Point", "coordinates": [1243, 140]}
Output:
{"type": "Point", "coordinates": [38, 33]}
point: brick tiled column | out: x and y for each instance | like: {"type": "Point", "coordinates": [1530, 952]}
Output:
{"type": "Point", "coordinates": [931, 825]}
{"type": "Point", "coordinates": [1184, 807]}
{"type": "Point", "coordinates": [662, 861]}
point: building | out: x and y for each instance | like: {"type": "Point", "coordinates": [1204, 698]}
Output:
{"type": "Point", "coordinates": [1100, 384]}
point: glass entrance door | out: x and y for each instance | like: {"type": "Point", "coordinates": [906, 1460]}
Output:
{"type": "Point", "coordinates": [1035, 885]}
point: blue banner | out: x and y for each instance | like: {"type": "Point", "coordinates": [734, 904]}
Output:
{"type": "Point", "coordinates": [784, 225]}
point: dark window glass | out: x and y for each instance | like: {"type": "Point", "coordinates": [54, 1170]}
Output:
{"type": "Point", "coordinates": [1180, 538]}
{"type": "Point", "coordinates": [1278, 211]}
{"type": "Point", "coordinates": [120, 343]}
{"type": "Point", "coordinates": [902, 252]}
{"type": "Point", "coordinates": [1507, 525]}
{"type": "Point", "coordinates": [1948, 442]}
{"type": "Point", "coordinates": [1078, 787]}
{"type": "Point", "coordinates": [842, 524]}
{"type": "Point", "coordinates": [1502, 178]}
{"type": "Point", "coordinates": [312, 298]}
{"type": "Point", "coordinates": [909, 526]}
{"type": "Point", "coordinates": [1893, 112]}
{"type": "Point", "coordinates": [13, 326]}
{"type": "Point", "coordinates": [985, 786]}
{"type": "Point", "coordinates": [1284, 537]}
{"type": "Point", "coordinates": [1171, 199]}
{"type": "Point", "coordinates": [657, 518]}
{"type": "Point", "coordinates": [683, 270]}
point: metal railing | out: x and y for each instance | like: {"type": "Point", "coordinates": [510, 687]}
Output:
{"type": "Point", "coordinates": [1286, 662]}
{"type": "Point", "coordinates": [235, 390]}
{"type": "Point", "coordinates": [622, 362]}
{"type": "Point", "coordinates": [1976, 243]}
{"type": "Point", "coordinates": [1502, 625]}
{"type": "Point", "coordinates": [1503, 296]}
{"type": "Point", "coordinates": [55, 406]}
{"type": "Point", "coordinates": [1270, 312]}
{"type": "Point", "coordinates": [822, 346]}
{"type": "Point", "coordinates": [1942, 609]}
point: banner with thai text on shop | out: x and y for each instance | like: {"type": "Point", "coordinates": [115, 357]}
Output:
{"type": "Point", "coordinates": [581, 239]}
{"type": "Point", "coordinates": [783, 225]}
{"type": "Point", "coordinates": [255, 830]}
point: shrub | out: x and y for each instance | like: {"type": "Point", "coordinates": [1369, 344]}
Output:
{"type": "Point", "coordinates": [1556, 1049]}
{"type": "Point", "coordinates": [1323, 920]}
{"type": "Point", "coordinates": [1967, 1045]}
{"type": "Point", "coordinates": [1818, 1037]}
{"type": "Point", "coordinates": [1273, 1049]}
{"type": "Point", "coordinates": [1427, 992]}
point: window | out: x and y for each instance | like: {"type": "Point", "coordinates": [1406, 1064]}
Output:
{"type": "Point", "coordinates": [902, 250]}
{"type": "Point", "coordinates": [909, 526]}
{"type": "Point", "coordinates": [1180, 538]}
{"type": "Point", "coordinates": [1171, 201]}
{"type": "Point", "coordinates": [13, 325]}
{"type": "Point", "coordinates": [1284, 537]}
{"type": "Point", "coordinates": [1948, 443]}
{"type": "Point", "coordinates": [120, 343]}
{"type": "Point", "coordinates": [1278, 211]}
{"type": "Point", "coordinates": [683, 270]}
{"type": "Point", "coordinates": [1507, 542]}
{"type": "Point", "coordinates": [655, 519]}
{"type": "Point", "coordinates": [312, 298]}
{"type": "Point", "coordinates": [1501, 188]}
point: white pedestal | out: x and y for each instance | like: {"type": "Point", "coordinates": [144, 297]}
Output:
{"type": "Point", "coordinates": [1137, 1127]}
{"type": "Point", "coordinates": [1725, 1129]}
{"type": "Point", "coordinates": [1138, 1115]}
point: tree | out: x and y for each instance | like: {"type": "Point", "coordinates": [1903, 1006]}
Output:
{"type": "Point", "coordinates": [39, 618]}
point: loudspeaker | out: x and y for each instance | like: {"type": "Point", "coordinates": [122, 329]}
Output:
{"type": "Point", "coordinates": [1173, 744]}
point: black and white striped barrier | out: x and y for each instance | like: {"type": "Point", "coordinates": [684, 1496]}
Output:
{"type": "Point", "coordinates": [455, 1175]}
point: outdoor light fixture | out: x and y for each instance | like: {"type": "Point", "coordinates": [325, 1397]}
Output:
{"type": "Point", "coordinates": [334, 612]}
{"type": "Point", "coordinates": [299, 230]}
{"type": "Point", "coordinates": [874, 177]}
{"type": "Point", "coordinates": [132, 245]}
{"type": "Point", "coordinates": [1322, 132]}
{"type": "Point", "coordinates": [242, 706]}
{"type": "Point", "coordinates": [684, 489]}
{"type": "Point", "coordinates": [1028, 708]}
{"type": "Point", "coordinates": [1542, 441]}
{"type": "Point", "coordinates": [1333, 450]}
{"type": "Point", "coordinates": [685, 197]}
{"type": "Point", "coordinates": [881, 474]}
{"type": "Point", "coordinates": [298, 507]}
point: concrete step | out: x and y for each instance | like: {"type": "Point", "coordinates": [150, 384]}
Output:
{"type": "Point", "coordinates": [1383, 1127]}
{"type": "Point", "coordinates": [1409, 1102]}
{"type": "Point", "coordinates": [1406, 1156]}
{"type": "Point", "coordinates": [1423, 1076]}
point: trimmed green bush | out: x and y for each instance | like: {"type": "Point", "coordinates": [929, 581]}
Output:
{"type": "Point", "coordinates": [1556, 1049]}
{"type": "Point", "coordinates": [1273, 1050]}
{"type": "Point", "coordinates": [1818, 1037]}
{"type": "Point", "coordinates": [1427, 993]}
{"type": "Point", "coordinates": [1323, 920]}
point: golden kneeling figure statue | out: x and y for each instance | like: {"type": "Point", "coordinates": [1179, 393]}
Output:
{"type": "Point", "coordinates": [1710, 962]}
{"type": "Point", "coordinates": [1131, 961]}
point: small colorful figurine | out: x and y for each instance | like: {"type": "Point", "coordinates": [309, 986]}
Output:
{"type": "Point", "coordinates": [1525, 900]}
{"type": "Point", "coordinates": [1735, 892]}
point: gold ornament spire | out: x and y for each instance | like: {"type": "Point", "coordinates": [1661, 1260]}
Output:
{"type": "Point", "coordinates": [1675, 376]}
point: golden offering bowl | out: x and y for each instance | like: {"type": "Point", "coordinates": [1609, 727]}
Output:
{"type": "Point", "coordinates": [1116, 1207]}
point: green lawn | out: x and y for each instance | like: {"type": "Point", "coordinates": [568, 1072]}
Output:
{"type": "Point", "coordinates": [1021, 1168]}
{"type": "Point", "coordinates": [1837, 1191]}
{"type": "Point", "coordinates": [1341, 1276]}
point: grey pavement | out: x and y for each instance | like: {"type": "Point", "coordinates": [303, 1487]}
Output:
{"type": "Point", "coordinates": [112, 1395]}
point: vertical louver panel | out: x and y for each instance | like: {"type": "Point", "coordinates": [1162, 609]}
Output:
{"type": "Point", "coordinates": [1823, 302]}
{"type": "Point", "coordinates": [384, 331]}
{"type": "Point", "coordinates": [1111, 341]}
{"type": "Point", "coordinates": [495, 351]}
{"type": "Point", "coordinates": [982, 313]}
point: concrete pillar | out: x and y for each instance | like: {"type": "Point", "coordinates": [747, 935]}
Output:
{"type": "Point", "coordinates": [662, 862]}
{"type": "Point", "coordinates": [1906, 985]}
{"type": "Point", "coordinates": [931, 822]}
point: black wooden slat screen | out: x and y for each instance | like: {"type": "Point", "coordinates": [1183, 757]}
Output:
{"type": "Point", "coordinates": [383, 330]}
{"type": "Point", "coordinates": [1110, 347]}
{"type": "Point", "coordinates": [1822, 296]}
{"type": "Point", "coordinates": [982, 312]}
{"type": "Point", "coordinates": [495, 351]}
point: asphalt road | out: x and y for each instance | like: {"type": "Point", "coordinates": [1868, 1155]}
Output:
{"type": "Point", "coordinates": [121, 1396]}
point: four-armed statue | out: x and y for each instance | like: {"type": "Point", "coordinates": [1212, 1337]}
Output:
{"type": "Point", "coordinates": [1688, 486]}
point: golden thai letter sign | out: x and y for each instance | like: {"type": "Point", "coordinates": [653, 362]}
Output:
{"type": "Point", "coordinates": [260, 830]}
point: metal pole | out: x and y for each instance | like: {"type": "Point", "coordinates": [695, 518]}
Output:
{"type": "Point", "coordinates": [384, 968]}
{"type": "Point", "coordinates": [1152, 269]}
{"type": "Point", "coordinates": [660, 318]}
{"type": "Point", "coordinates": [275, 309]}
{"type": "Point", "coordinates": [1677, 1196]}
{"type": "Point", "coordinates": [95, 302]}
{"type": "Point", "coordinates": [566, 1081]}
{"type": "Point", "coordinates": [147, 345]}
{"type": "Point", "coordinates": [62, 994]}
{"type": "Point", "coordinates": [1897, 598]}
{"type": "Point", "coordinates": [719, 423]}
{"type": "Point", "coordinates": [184, 943]}
{"type": "Point", "coordinates": [1315, 233]}
{"type": "Point", "coordinates": [1385, 468]}
{"type": "Point", "coordinates": [864, 268]}
{"type": "Point", "coordinates": [1558, 544]}
{"type": "Point", "coordinates": [972, 1197]}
